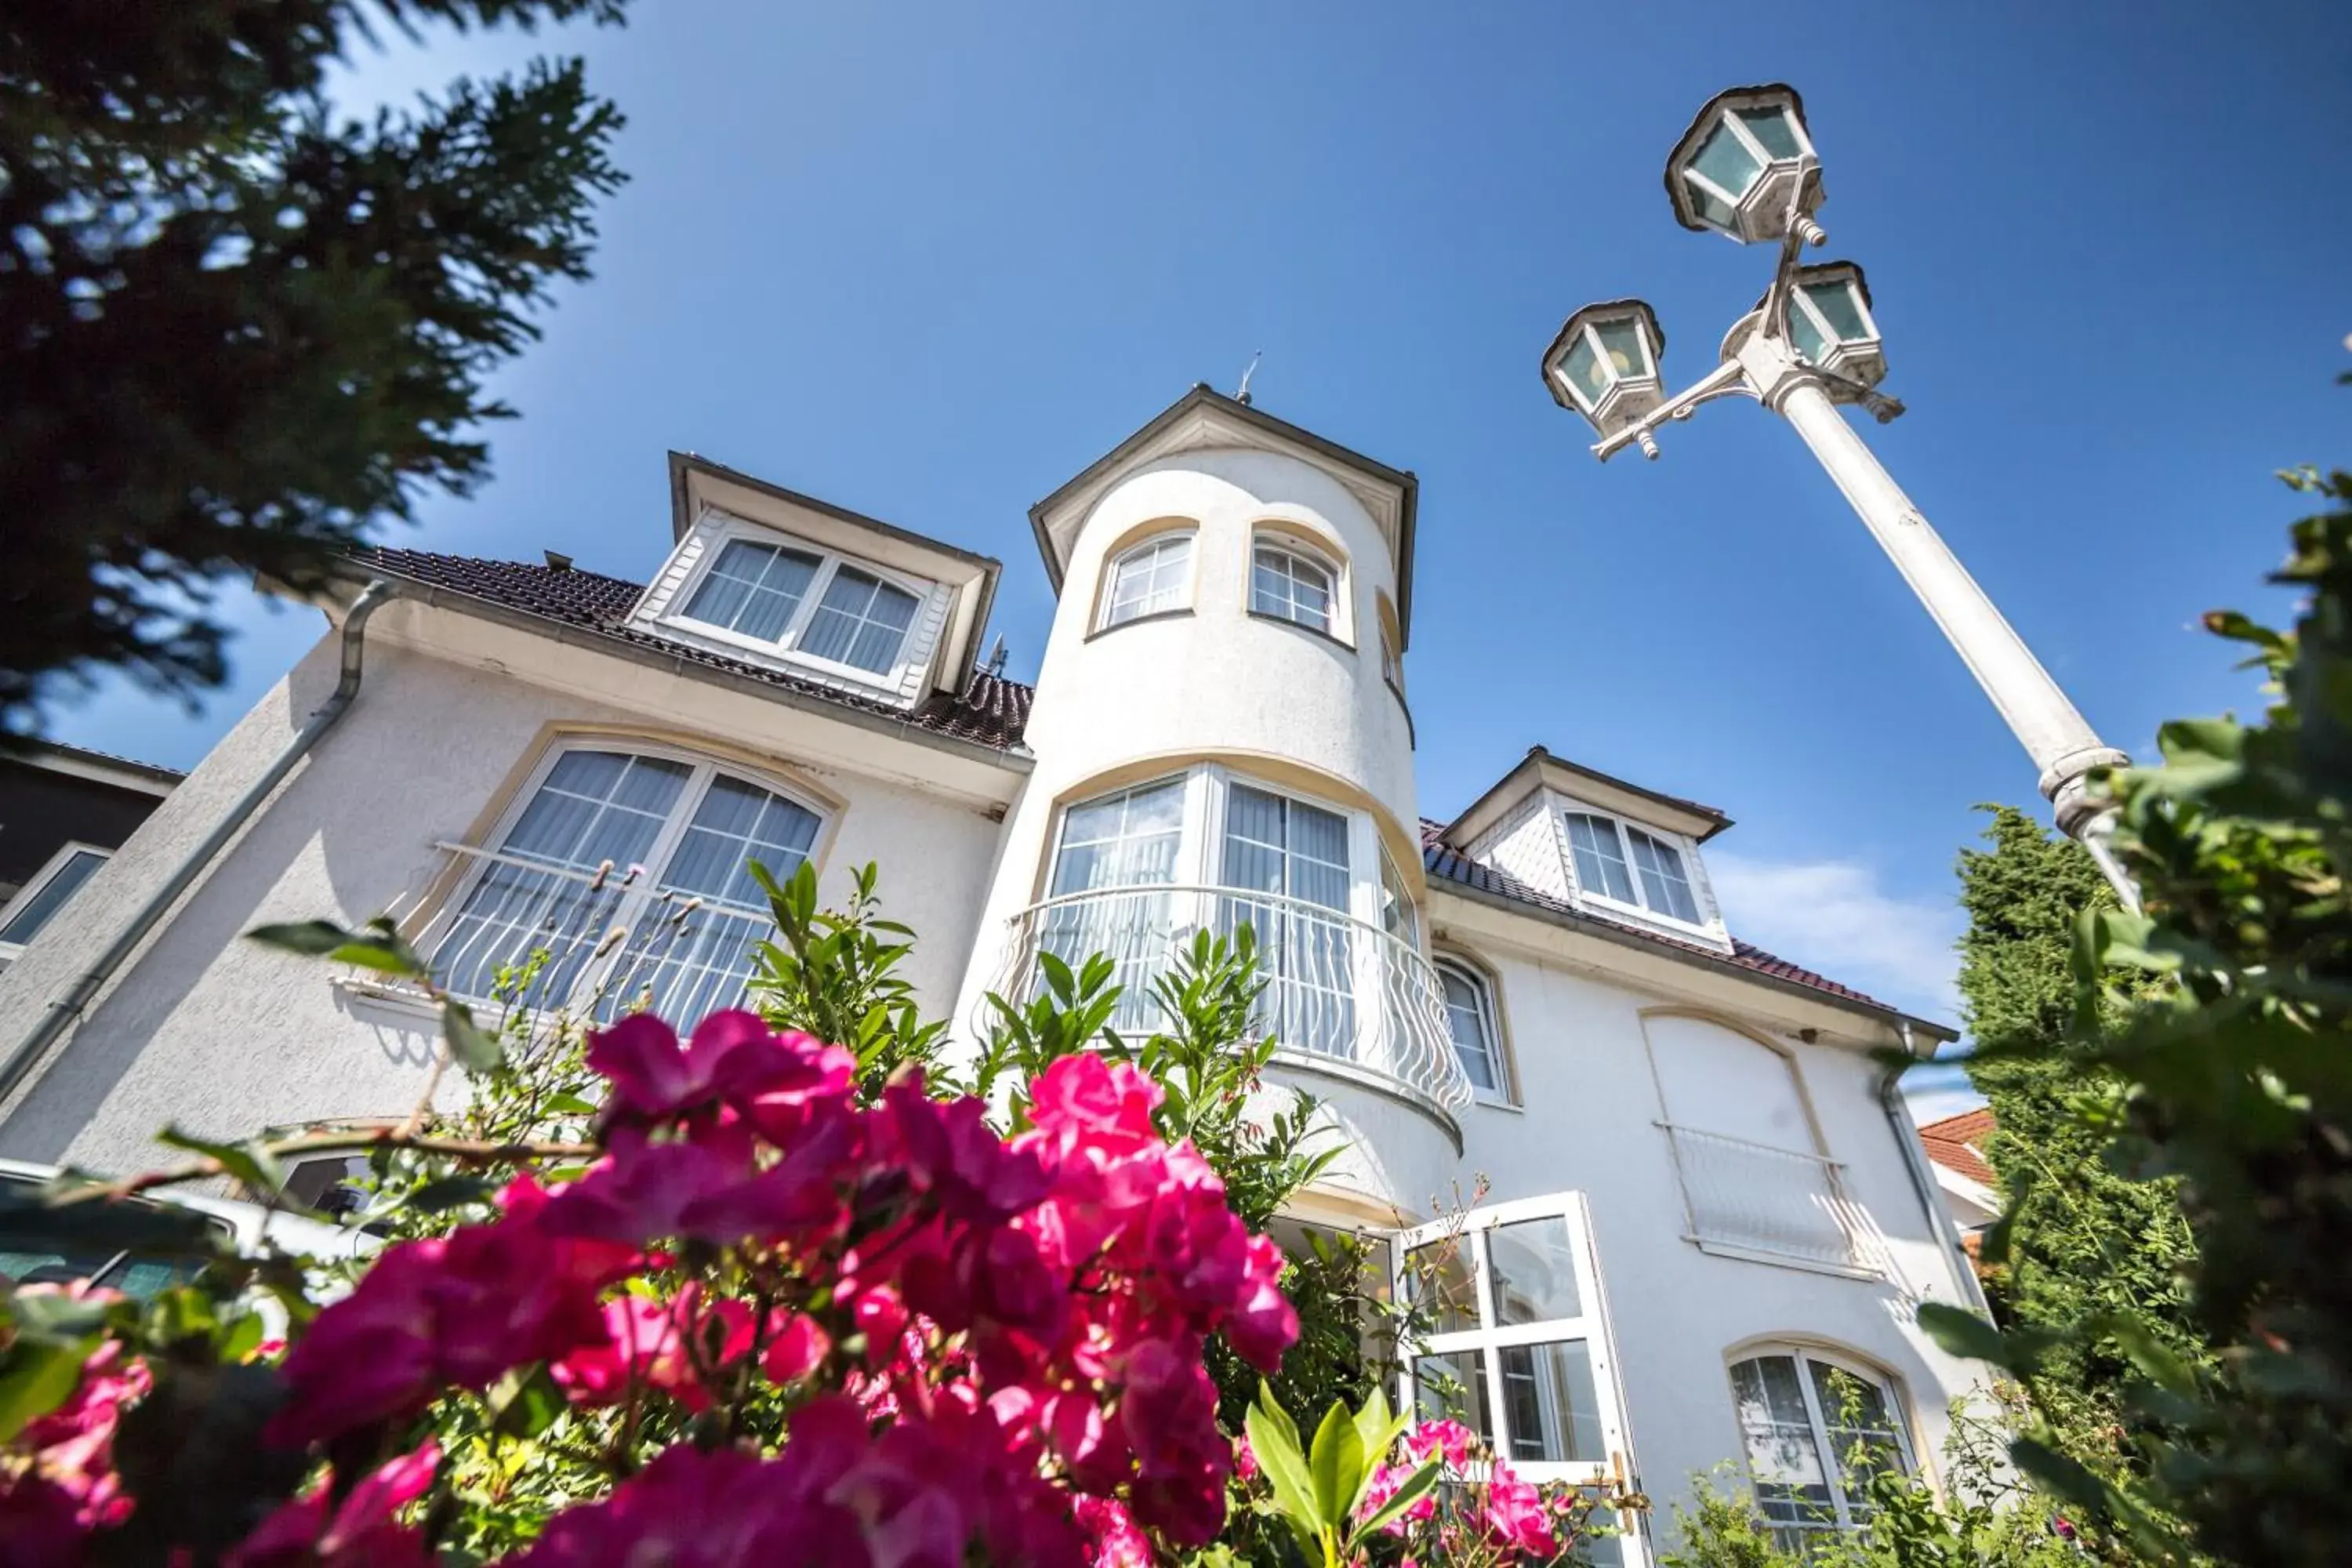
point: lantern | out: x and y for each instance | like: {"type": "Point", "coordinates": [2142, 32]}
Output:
{"type": "Point", "coordinates": [1741, 164]}
{"type": "Point", "coordinates": [1604, 364]}
{"type": "Point", "coordinates": [1829, 322]}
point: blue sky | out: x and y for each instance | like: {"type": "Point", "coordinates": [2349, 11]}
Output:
{"type": "Point", "coordinates": [929, 260]}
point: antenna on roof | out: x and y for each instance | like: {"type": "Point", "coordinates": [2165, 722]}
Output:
{"type": "Point", "coordinates": [996, 656]}
{"type": "Point", "coordinates": [1243, 396]}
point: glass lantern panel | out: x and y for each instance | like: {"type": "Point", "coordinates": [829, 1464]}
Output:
{"type": "Point", "coordinates": [1841, 307]}
{"type": "Point", "coordinates": [1724, 158]}
{"type": "Point", "coordinates": [1622, 343]}
{"type": "Point", "coordinates": [1773, 131]}
{"type": "Point", "coordinates": [1707, 203]}
{"type": "Point", "coordinates": [1587, 371]}
{"type": "Point", "coordinates": [1806, 333]}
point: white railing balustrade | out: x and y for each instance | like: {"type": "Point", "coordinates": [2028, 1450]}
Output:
{"type": "Point", "coordinates": [611, 938]}
{"type": "Point", "coordinates": [1340, 990]}
{"type": "Point", "coordinates": [1751, 1197]}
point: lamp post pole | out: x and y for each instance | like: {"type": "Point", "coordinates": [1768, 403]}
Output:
{"type": "Point", "coordinates": [2064, 746]}
{"type": "Point", "coordinates": [1746, 168]}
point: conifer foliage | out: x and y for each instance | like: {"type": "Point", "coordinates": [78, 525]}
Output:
{"type": "Point", "coordinates": [234, 331]}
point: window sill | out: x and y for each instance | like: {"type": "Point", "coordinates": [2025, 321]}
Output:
{"type": "Point", "coordinates": [386, 1001]}
{"type": "Point", "coordinates": [1619, 910]}
{"type": "Point", "coordinates": [1781, 1260]}
{"type": "Point", "coordinates": [885, 685]}
{"type": "Point", "coordinates": [1512, 1106]}
{"type": "Point", "coordinates": [1177, 615]}
{"type": "Point", "coordinates": [1301, 626]}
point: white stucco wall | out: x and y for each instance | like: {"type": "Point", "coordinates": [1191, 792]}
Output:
{"type": "Point", "coordinates": [219, 1035]}
{"type": "Point", "coordinates": [1586, 1122]}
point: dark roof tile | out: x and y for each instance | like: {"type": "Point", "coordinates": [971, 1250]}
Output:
{"type": "Point", "coordinates": [1446, 863]}
{"type": "Point", "coordinates": [990, 711]}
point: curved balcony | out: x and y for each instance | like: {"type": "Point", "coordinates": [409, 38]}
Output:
{"type": "Point", "coordinates": [1344, 998]}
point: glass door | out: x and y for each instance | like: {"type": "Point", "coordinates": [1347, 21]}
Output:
{"type": "Point", "coordinates": [1296, 856]}
{"type": "Point", "coordinates": [1519, 1348]}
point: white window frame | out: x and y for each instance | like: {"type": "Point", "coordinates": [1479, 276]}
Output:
{"type": "Point", "coordinates": [1189, 536]}
{"type": "Point", "coordinates": [1682, 846]}
{"type": "Point", "coordinates": [1890, 1394]}
{"type": "Point", "coordinates": [718, 532]}
{"type": "Point", "coordinates": [49, 869]}
{"type": "Point", "coordinates": [1489, 1021]}
{"type": "Point", "coordinates": [1338, 624]}
{"type": "Point", "coordinates": [480, 858]}
{"type": "Point", "coordinates": [1590, 1325]}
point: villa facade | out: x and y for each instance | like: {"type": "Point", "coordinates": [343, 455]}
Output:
{"type": "Point", "coordinates": [1694, 1198]}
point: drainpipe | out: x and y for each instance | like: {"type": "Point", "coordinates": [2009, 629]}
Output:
{"type": "Point", "coordinates": [1923, 1180]}
{"type": "Point", "coordinates": [62, 1012]}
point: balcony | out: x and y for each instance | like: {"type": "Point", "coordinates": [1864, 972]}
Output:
{"type": "Point", "coordinates": [1344, 998]}
{"type": "Point", "coordinates": [1774, 1206]}
{"type": "Point", "coordinates": [612, 940]}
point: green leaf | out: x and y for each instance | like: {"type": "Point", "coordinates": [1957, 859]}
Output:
{"type": "Point", "coordinates": [571, 1105]}
{"type": "Point", "coordinates": [446, 1193]}
{"type": "Point", "coordinates": [526, 1406]}
{"type": "Point", "coordinates": [474, 1047]}
{"type": "Point", "coordinates": [1275, 1442]}
{"type": "Point", "coordinates": [1337, 1464]}
{"type": "Point", "coordinates": [39, 1375]}
{"type": "Point", "coordinates": [1962, 1333]}
{"type": "Point", "coordinates": [1411, 1492]}
{"type": "Point", "coordinates": [380, 947]}
{"type": "Point", "coordinates": [2069, 1478]}
{"type": "Point", "coordinates": [250, 1162]}
{"type": "Point", "coordinates": [1992, 1246]}
{"type": "Point", "coordinates": [1375, 1428]}
{"type": "Point", "coordinates": [242, 1338]}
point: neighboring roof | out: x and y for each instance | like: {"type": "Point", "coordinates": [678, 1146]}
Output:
{"type": "Point", "coordinates": [1701, 822]}
{"type": "Point", "coordinates": [990, 711]}
{"type": "Point", "coordinates": [1202, 397]}
{"type": "Point", "coordinates": [1446, 863]}
{"type": "Point", "coordinates": [1957, 1143]}
{"type": "Point", "coordinates": [103, 767]}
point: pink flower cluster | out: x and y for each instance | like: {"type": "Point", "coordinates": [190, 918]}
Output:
{"type": "Point", "coordinates": [1507, 1514]}
{"type": "Point", "coordinates": [67, 1486]}
{"type": "Point", "coordinates": [987, 1329]}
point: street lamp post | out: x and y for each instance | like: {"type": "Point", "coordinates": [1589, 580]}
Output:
{"type": "Point", "coordinates": [1746, 168]}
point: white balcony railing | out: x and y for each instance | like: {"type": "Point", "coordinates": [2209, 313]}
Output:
{"type": "Point", "coordinates": [610, 937]}
{"type": "Point", "coordinates": [1752, 1198]}
{"type": "Point", "coordinates": [1341, 993]}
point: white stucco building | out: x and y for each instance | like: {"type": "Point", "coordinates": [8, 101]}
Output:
{"type": "Point", "coordinates": [1701, 1194]}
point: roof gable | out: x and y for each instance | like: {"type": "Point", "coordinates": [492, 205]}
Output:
{"type": "Point", "coordinates": [1205, 420]}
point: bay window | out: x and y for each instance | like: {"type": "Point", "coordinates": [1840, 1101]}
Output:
{"type": "Point", "coordinates": [1816, 1428]}
{"type": "Point", "coordinates": [1627, 865]}
{"type": "Point", "coordinates": [1136, 870]}
{"type": "Point", "coordinates": [653, 845]}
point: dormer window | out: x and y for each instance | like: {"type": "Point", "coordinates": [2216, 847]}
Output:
{"type": "Point", "coordinates": [1619, 861]}
{"type": "Point", "coordinates": [771, 596]}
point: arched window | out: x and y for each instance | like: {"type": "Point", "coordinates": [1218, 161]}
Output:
{"type": "Point", "coordinates": [1816, 1429]}
{"type": "Point", "coordinates": [1153, 578]}
{"type": "Point", "coordinates": [1291, 583]}
{"type": "Point", "coordinates": [1470, 1015]}
{"type": "Point", "coordinates": [655, 846]}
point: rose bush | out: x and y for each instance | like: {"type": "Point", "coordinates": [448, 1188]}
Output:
{"type": "Point", "coordinates": [856, 1332]}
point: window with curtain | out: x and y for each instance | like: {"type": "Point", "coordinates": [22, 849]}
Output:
{"type": "Point", "coordinates": [1151, 579]}
{"type": "Point", "coordinates": [1470, 1016]}
{"type": "Point", "coordinates": [806, 602]}
{"type": "Point", "coordinates": [1124, 847]}
{"type": "Point", "coordinates": [1816, 1430]}
{"type": "Point", "coordinates": [1289, 585]}
{"type": "Point", "coordinates": [1618, 860]}
{"type": "Point", "coordinates": [1297, 854]}
{"type": "Point", "coordinates": [656, 847]}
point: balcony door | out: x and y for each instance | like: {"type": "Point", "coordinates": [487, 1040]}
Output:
{"type": "Point", "coordinates": [1110, 892]}
{"type": "Point", "coordinates": [1519, 1348]}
